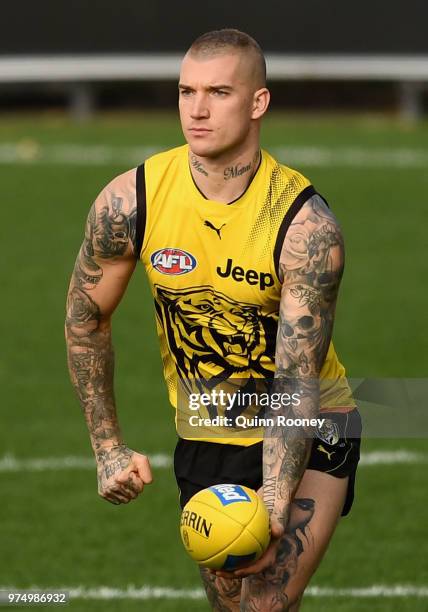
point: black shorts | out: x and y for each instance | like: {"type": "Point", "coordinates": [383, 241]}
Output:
{"type": "Point", "coordinates": [198, 465]}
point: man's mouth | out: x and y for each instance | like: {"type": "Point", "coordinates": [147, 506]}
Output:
{"type": "Point", "coordinates": [197, 130]}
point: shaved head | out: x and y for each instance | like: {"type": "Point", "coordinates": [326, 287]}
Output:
{"type": "Point", "coordinates": [230, 41]}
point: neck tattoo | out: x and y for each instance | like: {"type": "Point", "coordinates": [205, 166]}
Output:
{"type": "Point", "coordinates": [240, 169]}
{"type": "Point", "coordinates": [235, 171]}
{"type": "Point", "coordinates": [198, 165]}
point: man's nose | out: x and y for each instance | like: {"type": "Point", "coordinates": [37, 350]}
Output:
{"type": "Point", "coordinates": [200, 108]}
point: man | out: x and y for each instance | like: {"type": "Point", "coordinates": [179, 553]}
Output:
{"type": "Point", "coordinates": [244, 259]}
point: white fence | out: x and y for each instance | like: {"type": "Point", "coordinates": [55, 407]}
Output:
{"type": "Point", "coordinates": [410, 72]}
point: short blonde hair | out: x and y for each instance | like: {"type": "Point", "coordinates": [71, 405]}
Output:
{"type": "Point", "coordinates": [219, 42]}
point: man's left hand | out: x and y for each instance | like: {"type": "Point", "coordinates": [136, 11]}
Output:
{"type": "Point", "coordinates": [266, 560]}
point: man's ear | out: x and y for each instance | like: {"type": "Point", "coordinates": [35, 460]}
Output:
{"type": "Point", "coordinates": [261, 101]}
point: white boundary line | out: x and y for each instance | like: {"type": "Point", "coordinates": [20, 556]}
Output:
{"type": "Point", "coordinates": [151, 592]}
{"type": "Point", "coordinates": [376, 590]}
{"type": "Point", "coordinates": [30, 152]}
{"type": "Point", "coordinates": [392, 457]}
{"type": "Point", "coordinates": [10, 463]}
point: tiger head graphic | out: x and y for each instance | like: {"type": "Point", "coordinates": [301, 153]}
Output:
{"type": "Point", "coordinates": [210, 335]}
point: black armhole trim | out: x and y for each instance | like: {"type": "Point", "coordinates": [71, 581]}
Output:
{"type": "Point", "coordinates": [303, 197]}
{"type": "Point", "coordinates": [140, 226]}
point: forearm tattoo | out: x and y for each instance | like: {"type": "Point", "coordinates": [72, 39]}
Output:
{"type": "Point", "coordinates": [311, 266]}
{"type": "Point", "coordinates": [109, 232]}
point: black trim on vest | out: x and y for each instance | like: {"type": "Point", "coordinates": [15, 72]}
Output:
{"type": "Point", "coordinates": [140, 225]}
{"type": "Point", "coordinates": [303, 197]}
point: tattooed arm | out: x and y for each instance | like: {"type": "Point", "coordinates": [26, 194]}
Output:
{"type": "Point", "coordinates": [101, 273]}
{"type": "Point", "coordinates": [311, 265]}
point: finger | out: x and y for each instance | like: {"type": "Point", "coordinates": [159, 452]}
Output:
{"type": "Point", "coordinates": [144, 470]}
{"type": "Point", "coordinates": [119, 497]}
{"type": "Point", "coordinates": [228, 575]}
{"type": "Point", "coordinates": [257, 567]}
{"type": "Point", "coordinates": [128, 494]}
{"type": "Point", "coordinates": [121, 494]}
{"type": "Point", "coordinates": [136, 481]}
{"type": "Point", "coordinates": [276, 529]}
{"type": "Point", "coordinates": [112, 498]}
{"type": "Point", "coordinates": [130, 481]}
{"type": "Point", "coordinates": [248, 570]}
{"type": "Point", "coordinates": [139, 466]}
{"type": "Point", "coordinates": [251, 569]}
{"type": "Point", "coordinates": [105, 494]}
{"type": "Point", "coordinates": [128, 487]}
{"type": "Point", "coordinates": [123, 477]}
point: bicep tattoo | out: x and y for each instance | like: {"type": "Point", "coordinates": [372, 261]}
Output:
{"type": "Point", "coordinates": [311, 263]}
{"type": "Point", "coordinates": [115, 230]}
{"type": "Point", "coordinates": [109, 233]}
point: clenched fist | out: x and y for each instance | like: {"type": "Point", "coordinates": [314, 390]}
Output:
{"type": "Point", "coordinates": [122, 473]}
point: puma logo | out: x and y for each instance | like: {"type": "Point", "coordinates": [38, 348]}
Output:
{"type": "Point", "coordinates": [323, 450]}
{"type": "Point", "coordinates": [211, 226]}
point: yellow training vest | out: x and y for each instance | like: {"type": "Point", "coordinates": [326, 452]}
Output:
{"type": "Point", "coordinates": [212, 268]}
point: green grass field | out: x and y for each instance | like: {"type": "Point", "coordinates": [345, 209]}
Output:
{"type": "Point", "coordinates": [54, 530]}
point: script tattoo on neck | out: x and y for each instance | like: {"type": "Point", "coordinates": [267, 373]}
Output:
{"type": "Point", "coordinates": [240, 169]}
{"type": "Point", "coordinates": [198, 165]}
{"type": "Point", "coordinates": [236, 171]}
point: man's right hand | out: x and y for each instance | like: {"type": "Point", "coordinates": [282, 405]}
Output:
{"type": "Point", "coordinates": [122, 473]}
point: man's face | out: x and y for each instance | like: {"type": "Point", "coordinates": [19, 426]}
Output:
{"type": "Point", "coordinates": [216, 97]}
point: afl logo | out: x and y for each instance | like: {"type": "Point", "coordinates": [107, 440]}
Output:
{"type": "Point", "coordinates": [173, 261]}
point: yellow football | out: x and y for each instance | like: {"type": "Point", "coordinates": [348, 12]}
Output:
{"type": "Point", "coordinates": [225, 526]}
